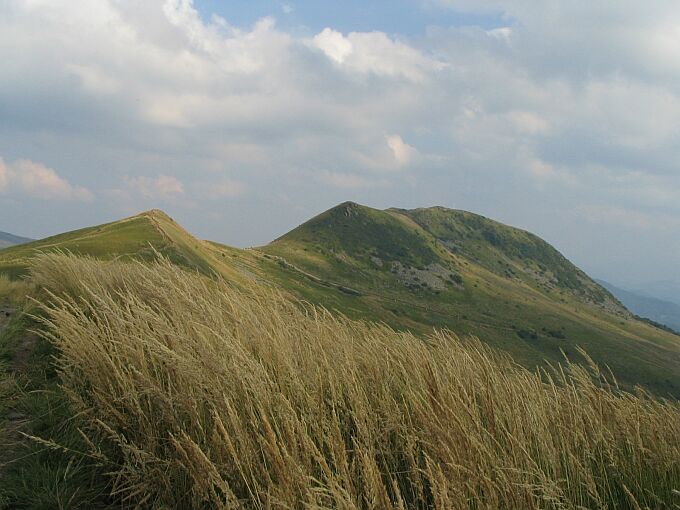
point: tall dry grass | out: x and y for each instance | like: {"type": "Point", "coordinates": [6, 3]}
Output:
{"type": "Point", "coordinates": [201, 395]}
{"type": "Point", "coordinates": [14, 292]}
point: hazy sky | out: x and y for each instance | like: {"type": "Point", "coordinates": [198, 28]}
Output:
{"type": "Point", "coordinates": [242, 119]}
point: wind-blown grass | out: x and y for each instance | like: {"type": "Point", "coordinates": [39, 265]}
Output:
{"type": "Point", "coordinates": [199, 394]}
{"type": "Point", "coordinates": [13, 292]}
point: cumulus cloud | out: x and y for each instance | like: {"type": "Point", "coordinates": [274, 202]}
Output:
{"type": "Point", "coordinates": [335, 45]}
{"type": "Point", "coordinates": [170, 189]}
{"type": "Point", "coordinates": [403, 153]}
{"type": "Point", "coordinates": [26, 177]}
{"type": "Point", "coordinates": [541, 169]}
{"type": "Point", "coordinates": [376, 53]}
{"type": "Point", "coordinates": [95, 80]}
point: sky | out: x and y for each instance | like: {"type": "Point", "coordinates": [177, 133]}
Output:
{"type": "Point", "coordinates": [243, 119]}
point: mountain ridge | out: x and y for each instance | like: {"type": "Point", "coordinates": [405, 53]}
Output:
{"type": "Point", "coordinates": [136, 236]}
{"type": "Point", "coordinates": [413, 270]}
{"type": "Point", "coordinates": [7, 240]}
{"type": "Point", "coordinates": [666, 313]}
{"type": "Point", "coordinates": [504, 250]}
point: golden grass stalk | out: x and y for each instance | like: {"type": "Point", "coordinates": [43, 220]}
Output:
{"type": "Point", "coordinates": [201, 395]}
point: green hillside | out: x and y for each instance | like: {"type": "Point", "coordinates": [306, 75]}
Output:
{"type": "Point", "coordinates": [136, 237]}
{"type": "Point", "coordinates": [452, 269]}
{"type": "Point", "coordinates": [413, 270]}
{"type": "Point", "coordinates": [509, 252]}
{"type": "Point", "coordinates": [365, 233]}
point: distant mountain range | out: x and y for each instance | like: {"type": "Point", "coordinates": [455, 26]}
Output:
{"type": "Point", "coordinates": [414, 270]}
{"type": "Point", "coordinates": [665, 290]}
{"type": "Point", "coordinates": [7, 239]}
{"type": "Point", "coordinates": [658, 310]}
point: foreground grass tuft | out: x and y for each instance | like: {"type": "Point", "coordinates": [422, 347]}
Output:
{"type": "Point", "coordinates": [197, 394]}
{"type": "Point", "coordinates": [35, 473]}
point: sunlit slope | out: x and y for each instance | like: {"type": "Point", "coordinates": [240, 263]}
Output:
{"type": "Point", "coordinates": [450, 269]}
{"type": "Point", "coordinates": [138, 237]}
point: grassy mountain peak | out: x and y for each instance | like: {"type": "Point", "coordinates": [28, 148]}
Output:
{"type": "Point", "coordinates": [437, 239]}
{"type": "Point", "coordinates": [136, 237]}
{"type": "Point", "coordinates": [353, 233]}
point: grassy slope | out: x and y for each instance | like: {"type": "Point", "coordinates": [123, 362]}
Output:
{"type": "Point", "coordinates": [32, 474]}
{"type": "Point", "coordinates": [137, 237]}
{"type": "Point", "coordinates": [518, 293]}
{"type": "Point", "coordinates": [191, 393]}
{"type": "Point", "coordinates": [131, 236]}
{"type": "Point", "coordinates": [508, 251]}
{"type": "Point", "coordinates": [506, 296]}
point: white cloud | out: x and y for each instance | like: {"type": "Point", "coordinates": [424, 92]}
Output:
{"type": "Point", "coordinates": [4, 175]}
{"type": "Point", "coordinates": [25, 177]}
{"type": "Point", "coordinates": [376, 53]}
{"type": "Point", "coordinates": [146, 190]}
{"type": "Point", "coordinates": [336, 46]}
{"type": "Point", "coordinates": [95, 80]}
{"type": "Point", "coordinates": [403, 153]}
{"type": "Point", "coordinates": [541, 169]}
{"type": "Point", "coordinates": [502, 33]}
{"type": "Point", "coordinates": [162, 187]}
{"type": "Point", "coordinates": [528, 122]}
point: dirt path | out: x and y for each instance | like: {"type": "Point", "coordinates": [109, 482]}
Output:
{"type": "Point", "coordinates": [14, 421]}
